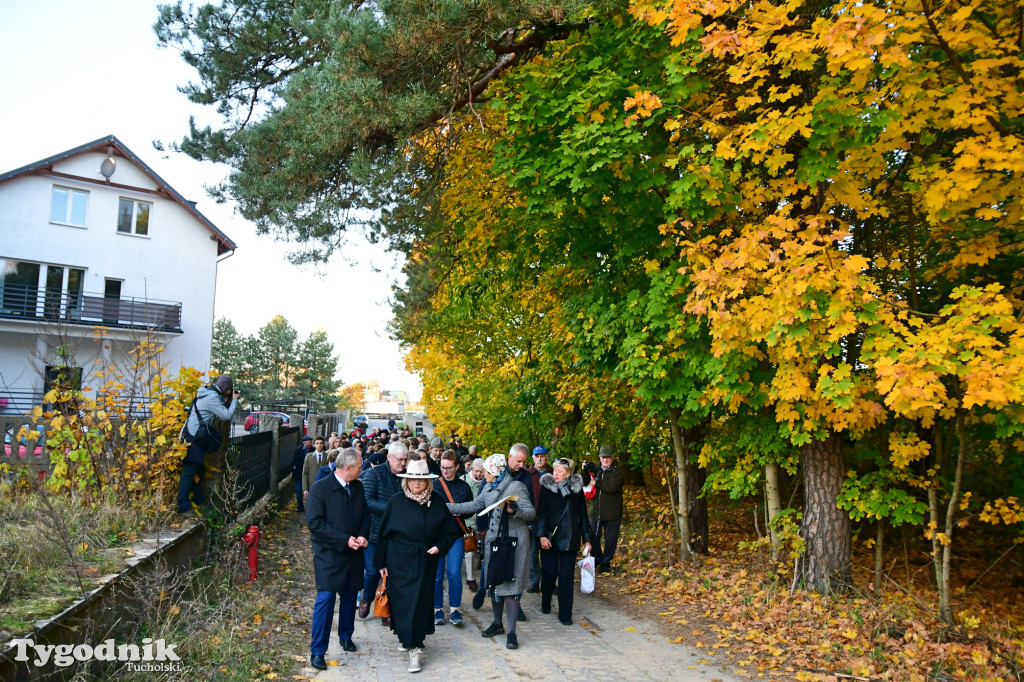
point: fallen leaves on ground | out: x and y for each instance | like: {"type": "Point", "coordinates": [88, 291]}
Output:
{"type": "Point", "coordinates": [744, 612]}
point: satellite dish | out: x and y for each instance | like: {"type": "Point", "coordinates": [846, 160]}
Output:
{"type": "Point", "coordinates": [108, 167]}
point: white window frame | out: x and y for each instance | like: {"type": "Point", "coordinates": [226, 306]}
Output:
{"type": "Point", "coordinates": [135, 217]}
{"type": "Point", "coordinates": [67, 206]}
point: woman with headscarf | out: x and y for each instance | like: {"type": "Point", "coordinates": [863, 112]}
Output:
{"type": "Point", "coordinates": [561, 523]}
{"type": "Point", "coordinates": [504, 597]}
{"type": "Point", "coordinates": [415, 531]}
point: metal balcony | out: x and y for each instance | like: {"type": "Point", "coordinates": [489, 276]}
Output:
{"type": "Point", "coordinates": [24, 302]}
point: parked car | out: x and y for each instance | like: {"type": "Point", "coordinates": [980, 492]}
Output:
{"type": "Point", "coordinates": [22, 451]}
{"type": "Point", "coordinates": [252, 422]}
{"type": "Point", "coordinates": [359, 420]}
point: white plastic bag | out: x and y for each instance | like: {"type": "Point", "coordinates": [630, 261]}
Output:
{"type": "Point", "coordinates": [586, 565]}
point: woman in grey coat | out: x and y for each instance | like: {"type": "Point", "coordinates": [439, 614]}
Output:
{"type": "Point", "coordinates": [504, 597]}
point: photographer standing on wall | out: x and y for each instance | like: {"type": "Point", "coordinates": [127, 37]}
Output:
{"type": "Point", "coordinates": [219, 400]}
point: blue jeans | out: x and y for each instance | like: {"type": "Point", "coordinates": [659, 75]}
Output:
{"type": "Point", "coordinates": [371, 576]}
{"type": "Point", "coordinates": [452, 565]}
{"type": "Point", "coordinates": [188, 484]}
{"type": "Point", "coordinates": [323, 613]}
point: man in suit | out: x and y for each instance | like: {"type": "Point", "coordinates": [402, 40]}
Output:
{"type": "Point", "coordinates": [312, 464]}
{"type": "Point", "coordinates": [339, 524]}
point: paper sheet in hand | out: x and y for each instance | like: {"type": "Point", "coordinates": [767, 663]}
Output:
{"type": "Point", "coordinates": [510, 498]}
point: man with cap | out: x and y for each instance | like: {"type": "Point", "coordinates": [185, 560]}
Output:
{"type": "Point", "coordinates": [219, 400]}
{"type": "Point", "coordinates": [434, 460]}
{"type": "Point", "coordinates": [298, 459]}
{"type": "Point", "coordinates": [537, 469]}
{"type": "Point", "coordinates": [605, 508]}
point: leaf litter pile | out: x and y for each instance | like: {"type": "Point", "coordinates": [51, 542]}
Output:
{"type": "Point", "coordinates": [737, 607]}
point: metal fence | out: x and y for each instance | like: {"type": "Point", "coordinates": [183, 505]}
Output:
{"type": "Point", "coordinates": [250, 456]}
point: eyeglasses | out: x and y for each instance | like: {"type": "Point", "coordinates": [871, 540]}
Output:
{"type": "Point", "coordinates": [448, 468]}
{"type": "Point", "coordinates": [563, 461]}
{"type": "Point", "coordinates": [400, 460]}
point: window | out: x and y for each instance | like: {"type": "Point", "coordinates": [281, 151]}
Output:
{"type": "Point", "coordinates": [133, 216]}
{"type": "Point", "coordinates": [19, 287]}
{"type": "Point", "coordinates": [68, 206]}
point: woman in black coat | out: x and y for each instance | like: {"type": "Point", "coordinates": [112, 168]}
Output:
{"type": "Point", "coordinates": [415, 531]}
{"type": "Point", "coordinates": [561, 523]}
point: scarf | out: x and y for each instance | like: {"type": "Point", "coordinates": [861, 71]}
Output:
{"type": "Point", "coordinates": [423, 497]}
{"type": "Point", "coordinates": [563, 486]}
{"type": "Point", "coordinates": [498, 480]}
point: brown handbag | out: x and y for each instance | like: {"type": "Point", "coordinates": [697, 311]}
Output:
{"type": "Point", "coordinates": [381, 603]}
{"type": "Point", "coordinates": [468, 536]}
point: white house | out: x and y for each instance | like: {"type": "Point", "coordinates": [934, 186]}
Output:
{"type": "Point", "coordinates": [97, 252]}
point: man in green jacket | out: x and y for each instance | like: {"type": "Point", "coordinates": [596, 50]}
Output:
{"type": "Point", "coordinates": [605, 508]}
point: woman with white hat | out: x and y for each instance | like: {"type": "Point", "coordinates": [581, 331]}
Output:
{"type": "Point", "coordinates": [415, 531]}
{"type": "Point", "coordinates": [505, 596]}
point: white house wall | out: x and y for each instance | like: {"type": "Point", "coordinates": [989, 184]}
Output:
{"type": "Point", "coordinates": [176, 261]}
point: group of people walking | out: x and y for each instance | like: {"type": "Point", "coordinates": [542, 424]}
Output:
{"type": "Point", "coordinates": [413, 518]}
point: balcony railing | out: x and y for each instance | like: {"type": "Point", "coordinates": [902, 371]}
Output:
{"type": "Point", "coordinates": [24, 302]}
{"type": "Point", "coordinates": [19, 401]}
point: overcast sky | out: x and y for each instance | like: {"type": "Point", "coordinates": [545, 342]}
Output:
{"type": "Point", "coordinates": [76, 71]}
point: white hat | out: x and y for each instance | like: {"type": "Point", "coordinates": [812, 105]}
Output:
{"type": "Point", "coordinates": [417, 469]}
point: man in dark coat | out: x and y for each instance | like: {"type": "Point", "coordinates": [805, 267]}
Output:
{"type": "Point", "coordinates": [380, 484]}
{"type": "Point", "coordinates": [606, 508]}
{"type": "Point", "coordinates": [339, 523]}
{"type": "Point", "coordinates": [298, 459]}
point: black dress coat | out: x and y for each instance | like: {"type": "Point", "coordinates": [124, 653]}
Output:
{"type": "Point", "coordinates": [562, 519]}
{"type": "Point", "coordinates": [333, 516]}
{"type": "Point", "coordinates": [407, 531]}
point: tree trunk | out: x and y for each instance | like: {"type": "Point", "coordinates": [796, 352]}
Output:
{"type": "Point", "coordinates": [696, 475]}
{"type": "Point", "coordinates": [945, 600]}
{"type": "Point", "coordinates": [879, 540]}
{"type": "Point", "coordinates": [824, 566]}
{"type": "Point", "coordinates": [774, 505]}
{"type": "Point", "coordinates": [683, 511]}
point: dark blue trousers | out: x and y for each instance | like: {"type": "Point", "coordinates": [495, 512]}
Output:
{"type": "Point", "coordinates": [323, 614]}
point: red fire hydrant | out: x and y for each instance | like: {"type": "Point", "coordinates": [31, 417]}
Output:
{"type": "Point", "coordinates": [252, 541]}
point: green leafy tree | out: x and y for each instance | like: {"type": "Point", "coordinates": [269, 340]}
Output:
{"type": "Point", "coordinates": [317, 366]}
{"type": "Point", "coordinates": [276, 363]}
{"type": "Point", "coordinates": [322, 100]}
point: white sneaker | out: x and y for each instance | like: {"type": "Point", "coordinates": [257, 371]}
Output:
{"type": "Point", "coordinates": [414, 660]}
{"type": "Point", "coordinates": [401, 648]}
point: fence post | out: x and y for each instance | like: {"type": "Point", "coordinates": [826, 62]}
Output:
{"type": "Point", "coordinates": [274, 424]}
{"type": "Point", "coordinates": [316, 424]}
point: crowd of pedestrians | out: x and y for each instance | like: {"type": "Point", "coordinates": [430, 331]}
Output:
{"type": "Point", "coordinates": [428, 518]}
